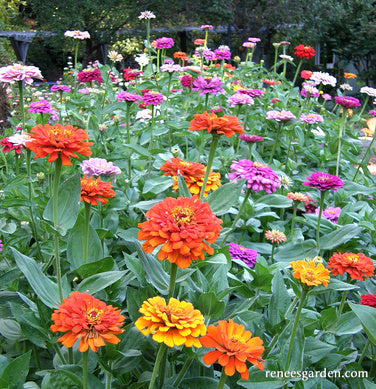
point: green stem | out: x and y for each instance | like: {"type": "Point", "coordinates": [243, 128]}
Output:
{"type": "Point", "coordinates": [272, 254]}
{"type": "Point", "coordinates": [295, 326]}
{"type": "Point", "coordinates": [201, 146]}
{"type": "Point", "coordinates": [84, 369]}
{"type": "Point", "coordinates": [364, 106]}
{"type": "Point", "coordinates": [246, 196]}
{"type": "Point", "coordinates": [127, 115]}
{"type": "Point", "coordinates": [341, 132]}
{"type": "Point", "coordinates": [343, 300]}
{"type": "Point", "coordinates": [275, 143]}
{"type": "Point", "coordinates": [213, 146]}
{"type": "Point", "coordinates": [58, 165]}
{"type": "Point", "coordinates": [364, 351]}
{"type": "Point", "coordinates": [296, 73]}
{"type": "Point", "coordinates": [291, 307]}
{"type": "Point", "coordinates": [222, 380]}
{"type": "Point", "coordinates": [109, 377]}
{"type": "Point", "coordinates": [319, 217]}
{"type": "Point", "coordinates": [288, 151]}
{"type": "Point", "coordinates": [173, 271]}
{"type": "Point", "coordinates": [86, 233]}
{"type": "Point", "coordinates": [275, 59]}
{"type": "Point", "coordinates": [161, 351]}
{"type": "Point", "coordinates": [75, 54]}
{"type": "Point", "coordinates": [182, 372]}
{"type": "Point", "coordinates": [70, 356]}
{"type": "Point", "coordinates": [293, 220]}
{"type": "Point", "coordinates": [22, 109]}
{"type": "Point", "coordinates": [365, 156]}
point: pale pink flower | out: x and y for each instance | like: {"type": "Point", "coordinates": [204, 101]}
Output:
{"type": "Point", "coordinates": [77, 34]}
{"type": "Point", "coordinates": [17, 72]}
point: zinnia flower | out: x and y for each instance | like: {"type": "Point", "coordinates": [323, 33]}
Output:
{"type": "Point", "coordinates": [275, 236]}
{"type": "Point", "coordinates": [258, 175]}
{"type": "Point", "coordinates": [368, 299]}
{"type": "Point", "coordinates": [311, 118]}
{"type": "Point", "coordinates": [114, 56]}
{"type": "Point", "coordinates": [347, 101]}
{"type": "Point", "coordinates": [227, 125]}
{"type": "Point", "coordinates": [280, 116]}
{"type": "Point", "coordinates": [251, 138]}
{"type": "Point", "coordinates": [93, 191]}
{"type": "Point", "coordinates": [306, 74]}
{"type": "Point", "coordinates": [251, 92]}
{"type": "Point", "coordinates": [323, 181]}
{"type": "Point", "coordinates": [184, 227]}
{"type": "Point", "coordinates": [233, 347]}
{"type": "Point", "coordinates": [9, 146]}
{"type": "Point", "coordinates": [77, 34]}
{"type": "Point", "coordinates": [248, 256]}
{"type": "Point", "coordinates": [323, 78]}
{"type": "Point", "coordinates": [146, 15]}
{"type": "Point", "coordinates": [349, 75]}
{"type": "Point", "coordinates": [358, 266]}
{"type": "Point", "coordinates": [222, 53]}
{"type": "Point", "coordinates": [368, 91]}
{"type": "Point", "coordinates": [131, 74]}
{"type": "Point", "coordinates": [302, 51]}
{"type": "Point", "coordinates": [58, 141]}
{"type": "Point", "coordinates": [88, 319]}
{"type": "Point", "coordinates": [89, 75]}
{"type": "Point", "coordinates": [99, 167]}
{"type": "Point", "coordinates": [164, 43]}
{"type": "Point", "coordinates": [62, 88]}
{"type": "Point", "coordinates": [303, 198]}
{"type": "Point", "coordinates": [331, 213]}
{"type": "Point", "coordinates": [129, 97]}
{"type": "Point", "coordinates": [240, 99]}
{"type": "Point", "coordinates": [152, 98]}
{"type": "Point", "coordinates": [310, 272]}
{"type": "Point", "coordinates": [212, 85]}
{"type": "Point", "coordinates": [17, 72]}
{"type": "Point", "coordinates": [41, 106]}
{"type": "Point", "coordinates": [174, 324]}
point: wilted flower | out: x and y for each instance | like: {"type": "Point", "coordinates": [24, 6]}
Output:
{"type": "Point", "coordinates": [248, 256]}
{"type": "Point", "coordinates": [358, 266]}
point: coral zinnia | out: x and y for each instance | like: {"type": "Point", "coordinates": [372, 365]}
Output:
{"type": "Point", "coordinates": [233, 347]}
{"type": "Point", "coordinates": [57, 140]}
{"type": "Point", "coordinates": [183, 226]}
{"type": "Point", "coordinates": [88, 319]}
{"type": "Point", "coordinates": [310, 272]}
{"type": "Point", "coordinates": [275, 236]}
{"type": "Point", "coordinates": [93, 191]}
{"type": "Point", "coordinates": [358, 266]}
{"type": "Point", "coordinates": [368, 299]}
{"type": "Point", "coordinates": [174, 324]}
{"type": "Point", "coordinates": [227, 125]}
{"type": "Point", "coordinates": [302, 51]}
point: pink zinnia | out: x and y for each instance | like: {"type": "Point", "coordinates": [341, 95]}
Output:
{"type": "Point", "coordinates": [251, 138]}
{"type": "Point", "coordinates": [98, 167]}
{"type": "Point", "coordinates": [255, 93]}
{"type": "Point", "coordinates": [331, 213]}
{"type": "Point", "coordinates": [8, 146]}
{"type": "Point", "coordinates": [129, 97]}
{"type": "Point", "coordinates": [254, 40]}
{"type": "Point", "coordinates": [17, 72]}
{"type": "Point", "coordinates": [258, 176]}
{"type": "Point", "coordinates": [212, 85]}
{"type": "Point", "coordinates": [222, 53]}
{"type": "Point", "coordinates": [280, 116]}
{"type": "Point", "coordinates": [186, 81]}
{"type": "Point", "coordinates": [347, 101]}
{"type": "Point", "coordinates": [152, 98]}
{"type": "Point", "coordinates": [41, 106]}
{"type": "Point", "coordinates": [77, 34]}
{"type": "Point", "coordinates": [164, 43]}
{"type": "Point", "coordinates": [311, 118]}
{"type": "Point", "coordinates": [240, 99]}
{"type": "Point", "coordinates": [372, 113]}
{"type": "Point", "coordinates": [323, 181]}
{"type": "Point", "coordinates": [89, 75]}
{"type": "Point", "coordinates": [207, 27]}
{"type": "Point", "coordinates": [62, 88]}
{"type": "Point", "coordinates": [368, 299]}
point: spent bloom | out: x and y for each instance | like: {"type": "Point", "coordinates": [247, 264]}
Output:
{"type": "Point", "coordinates": [311, 118]}
{"type": "Point", "coordinates": [212, 85]}
{"type": "Point", "coordinates": [164, 43]}
{"type": "Point", "coordinates": [234, 346]}
{"type": "Point", "coordinates": [88, 319]}
{"type": "Point", "coordinates": [275, 236]}
{"type": "Point", "coordinates": [280, 116]}
{"type": "Point", "coordinates": [248, 256]}
{"type": "Point", "coordinates": [240, 99]}
{"type": "Point", "coordinates": [310, 272]}
{"type": "Point", "coordinates": [173, 324]}
{"type": "Point", "coordinates": [302, 51]}
{"type": "Point", "coordinates": [258, 176]}
{"type": "Point", "coordinates": [323, 181]}
{"type": "Point", "coordinates": [184, 227]}
{"type": "Point", "coordinates": [76, 34]}
{"type": "Point", "coordinates": [368, 91]}
{"type": "Point", "coordinates": [357, 266]}
{"type": "Point", "coordinates": [323, 78]}
{"type": "Point", "coordinates": [94, 191]}
{"type": "Point", "coordinates": [17, 72]}
{"type": "Point", "coordinates": [368, 299]}
{"type": "Point", "coordinates": [347, 101]}
{"type": "Point", "coordinates": [41, 106]}
{"type": "Point", "coordinates": [99, 167]}
{"type": "Point", "coordinates": [330, 213]}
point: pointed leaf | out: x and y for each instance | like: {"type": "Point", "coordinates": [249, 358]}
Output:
{"type": "Point", "coordinates": [99, 281]}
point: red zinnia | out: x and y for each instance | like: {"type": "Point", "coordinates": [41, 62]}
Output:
{"type": "Point", "coordinates": [227, 125]}
{"type": "Point", "coordinates": [57, 140]}
{"type": "Point", "coordinates": [358, 266]}
{"type": "Point", "coordinates": [183, 226]}
{"type": "Point", "coordinates": [368, 299]}
{"type": "Point", "coordinates": [233, 347]}
{"type": "Point", "coordinates": [93, 191]}
{"type": "Point", "coordinates": [302, 51]}
{"type": "Point", "coordinates": [88, 319]}
{"type": "Point", "coordinates": [9, 146]}
{"type": "Point", "coordinates": [306, 74]}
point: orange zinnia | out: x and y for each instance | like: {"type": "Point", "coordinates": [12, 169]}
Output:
{"type": "Point", "coordinates": [174, 324]}
{"type": "Point", "coordinates": [181, 55]}
{"type": "Point", "coordinates": [349, 75]}
{"type": "Point", "coordinates": [183, 226]}
{"type": "Point", "coordinates": [88, 319]}
{"type": "Point", "coordinates": [58, 141]}
{"type": "Point", "coordinates": [193, 174]}
{"type": "Point", "coordinates": [358, 266]}
{"type": "Point", "coordinates": [233, 347]}
{"type": "Point", "coordinates": [227, 125]}
{"type": "Point", "coordinates": [93, 191]}
{"type": "Point", "coordinates": [310, 272]}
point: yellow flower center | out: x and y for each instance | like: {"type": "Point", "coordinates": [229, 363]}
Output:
{"type": "Point", "coordinates": [93, 316]}
{"type": "Point", "coordinates": [182, 215]}
{"type": "Point", "coordinates": [258, 164]}
{"type": "Point", "coordinates": [353, 258]}
{"type": "Point", "coordinates": [236, 339]}
{"type": "Point", "coordinates": [185, 163]}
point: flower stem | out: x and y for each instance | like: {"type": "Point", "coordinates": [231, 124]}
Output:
{"type": "Point", "coordinates": [288, 151]}
{"type": "Point", "coordinates": [297, 72]}
{"type": "Point", "coordinates": [365, 156]}
{"type": "Point", "coordinates": [319, 217]}
{"type": "Point", "coordinates": [213, 146]}
{"type": "Point", "coordinates": [58, 165]}
{"type": "Point", "coordinates": [295, 326]}
{"type": "Point", "coordinates": [343, 300]}
{"type": "Point", "coordinates": [272, 254]}
{"type": "Point", "coordinates": [171, 287]}
{"type": "Point", "coordinates": [293, 220]}
{"type": "Point", "coordinates": [75, 54]}
{"type": "Point", "coordinates": [108, 377]}
{"type": "Point", "coordinates": [341, 132]}
{"type": "Point", "coordinates": [364, 351]}
{"type": "Point", "coordinates": [222, 380]}
{"type": "Point", "coordinates": [84, 369]}
{"type": "Point", "coordinates": [275, 143]}
{"type": "Point", "coordinates": [364, 106]}
{"type": "Point", "coordinates": [161, 351]}
{"type": "Point", "coordinates": [86, 232]}
{"type": "Point", "coordinates": [22, 108]}
{"type": "Point", "coordinates": [182, 372]}
{"type": "Point", "coordinates": [246, 196]}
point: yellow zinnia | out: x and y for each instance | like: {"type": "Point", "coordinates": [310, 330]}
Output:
{"type": "Point", "coordinates": [310, 272]}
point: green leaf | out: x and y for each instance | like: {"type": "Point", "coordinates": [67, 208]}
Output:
{"type": "Point", "coordinates": [45, 289]}
{"type": "Point", "coordinates": [15, 373]}
{"type": "Point", "coordinates": [138, 149]}
{"type": "Point", "coordinates": [315, 350]}
{"type": "Point", "coordinates": [75, 245]}
{"type": "Point", "coordinates": [223, 198]}
{"type": "Point", "coordinates": [295, 252]}
{"type": "Point", "coordinates": [339, 236]}
{"type": "Point", "coordinates": [333, 284]}
{"type": "Point", "coordinates": [367, 316]}
{"type": "Point", "coordinates": [280, 300]}
{"type": "Point", "coordinates": [183, 188]}
{"type": "Point", "coordinates": [99, 281]}
{"type": "Point", "coordinates": [10, 329]}
{"type": "Point", "coordinates": [209, 305]}
{"type": "Point", "coordinates": [68, 204]}
{"type": "Point", "coordinates": [101, 266]}
{"type": "Point", "coordinates": [275, 200]}
{"type": "Point", "coordinates": [157, 185]}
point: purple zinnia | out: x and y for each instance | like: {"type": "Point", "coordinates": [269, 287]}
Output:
{"type": "Point", "coordinates": [280, 116]}
{"type": "Point", "coordinates": [208, 54]}
{"type": "Point", "coordinates": [248, 256]}
{"type": "Point", "coordinates": [41, 106]}
{"type": "Point", "coordinates": [164, 43]}
{"type": "Point", "coordinates": [240, 99]}
{"type": "Point", "coordinates": [323, 181]}
{"type": "Point", "coordinates": [152, 98]}
{"type": "Point", "coordinates": [372, 113]}
{"type": "Point", "coordinates": [311, 118]}
{"type": "Point", "coordinates": [326, 96]}
{"type": "Point", "coordinates": [331, 213]}
{"type": "Point", "coordinates": [347, 101]}
{"type": "Point", "coordinates": [62, 88]}
{"type": "Point", "coordinates": [251, 138]}
{"type": "Point", "coordinates": [222, 53]}
{"type": "Point", "coordinates": [258, 175]}
{"type": "Point", "coordinates": [99, 167]}
{"type": "Point", "coordinates": [129, 97]}
{"type": "Point", "coordinates": [205, 85]}
{"type": "Point", "coordinates": [251, 92]}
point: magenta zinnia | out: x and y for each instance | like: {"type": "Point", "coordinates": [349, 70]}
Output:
{"type": "Point", "coordinates": [323, 181]}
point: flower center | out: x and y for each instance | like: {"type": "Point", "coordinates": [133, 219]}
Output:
{"type": "Point", "coordinates": [93, 316]}
{"type": "Point", "coordinates": [353, 258]}
{"type": "Point", "coordinates": [182, 215]}
{"type": "Point", "coordinates": [236, 339]}
{"type": "Point", "coordinates": [258, 164]}
{"type": "Point", "coordinates": [310, 275]}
